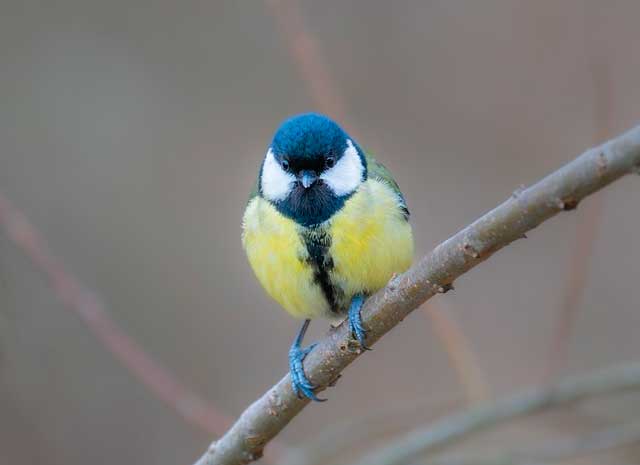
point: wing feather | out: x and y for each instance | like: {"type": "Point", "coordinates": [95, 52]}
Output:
{"type": "Point", "coordinates": [378, 171]}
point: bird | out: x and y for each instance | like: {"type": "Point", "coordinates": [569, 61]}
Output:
{"type": "Point", "coordinates": [326, 226]}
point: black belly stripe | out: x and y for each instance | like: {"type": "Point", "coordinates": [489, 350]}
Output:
{"type": "Point", "coordinates": [318, 243]}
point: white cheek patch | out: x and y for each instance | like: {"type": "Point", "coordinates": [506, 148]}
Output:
{"type": "Point", "coordinates": [345, 177]}
{"type": "Point", "coordinates": [275, 182]}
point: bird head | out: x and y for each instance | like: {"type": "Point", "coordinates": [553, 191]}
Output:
{"type": "Point", "coordinates": [311, 168]}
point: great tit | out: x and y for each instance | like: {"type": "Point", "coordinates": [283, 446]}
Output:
{"type": "Point", "coordinates": [325, 226]}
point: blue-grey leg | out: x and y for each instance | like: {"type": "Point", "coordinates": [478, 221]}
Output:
{"type": "Point", "coordinates": [355, 320]}
{"type": "Point", "coordinates": [299, 380]}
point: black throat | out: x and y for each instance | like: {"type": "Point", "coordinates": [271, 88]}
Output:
{"type": "Point", "coordinates": [312, 206]}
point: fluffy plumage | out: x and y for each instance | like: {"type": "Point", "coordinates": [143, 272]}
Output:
{"type": "Point", "coordinates": [314, 248]}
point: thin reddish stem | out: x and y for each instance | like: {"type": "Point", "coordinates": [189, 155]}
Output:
{"type": "Point", "coordinates": [86, 305]}
{"type": "Point", "coordinates": [590, 217]}
{"type": "Point", "coordinates": [460, 352]}
{"type": "Point", "coordinates": [307, 56]}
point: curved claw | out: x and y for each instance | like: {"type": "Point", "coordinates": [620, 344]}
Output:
{"type": "Point", "coordinates": [299, 381]}
{"type": "Point", "coordinates": [355, 321]}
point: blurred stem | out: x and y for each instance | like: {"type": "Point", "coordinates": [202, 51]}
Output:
{"type": "Point", "coordinates": [87, 306]}
{"type": "Point", "coordinates": [308, 58]}
{"type": "Point", "coordinates": [578, 269]}
{"type": "Point", "coordinates": [431, 439]}
{"type": "Point", "coordinates": [558, 450]}
{"type": "Point", "coordinates": [590, 218]}
{"type": "Point", "coordinates": [460, 352]}
{"type": "Point", "coordinates": [329, 443]}
{"type": "Point", "coordinates": [433, 274]}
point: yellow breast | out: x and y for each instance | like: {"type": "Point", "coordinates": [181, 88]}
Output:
{"type": "Point", "coordinates": [370, 241]}
{"type": "Point", "coordinates": [278, 258]}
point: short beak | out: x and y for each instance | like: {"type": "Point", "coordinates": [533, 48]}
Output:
{"type": "Point", "coordinates": [307, 178]}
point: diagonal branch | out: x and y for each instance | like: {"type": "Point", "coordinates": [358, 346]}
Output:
{"type": "Point", "coordinates": [431, 438]}
{"type": "Point", "coordinates": [434, 273]}
{"type": "Point", "coordinates": [554, 451]}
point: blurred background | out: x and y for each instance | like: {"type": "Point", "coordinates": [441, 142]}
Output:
{"type": "Point", "coordinates": [131, 133]}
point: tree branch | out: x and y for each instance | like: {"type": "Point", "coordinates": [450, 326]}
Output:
{"type": "Point", "coordinates": [431, 438]}
{"type": "Point", "coordinates": [554, 451]}
{"type": "Point", "coordinates": [434, 273]}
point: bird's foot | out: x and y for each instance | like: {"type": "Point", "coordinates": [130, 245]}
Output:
{"type": "Point", "coordinates": [355, 321]}
{"type": "Point", "coordinates": [299, 381]}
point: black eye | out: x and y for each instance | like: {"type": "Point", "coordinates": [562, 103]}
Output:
{"type": "Point", "coordinates": [285, 165]}
{"type": "Point", "coordinates": [330, 162]}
